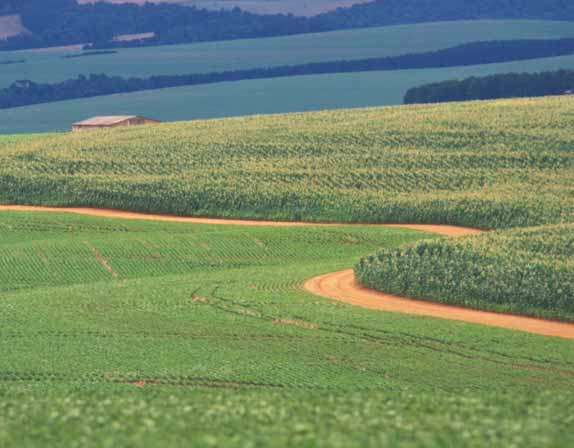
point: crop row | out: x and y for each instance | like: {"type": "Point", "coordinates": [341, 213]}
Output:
{"type": "Point", "coordinates": [528, 271]}
{"type": "Point", "coordinates": [494, 164]}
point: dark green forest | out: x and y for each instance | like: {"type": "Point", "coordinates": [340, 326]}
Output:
{"type": "Point", "coordinates": [63, 22]}
{"type": "Point", "coordinates": [511, 85]}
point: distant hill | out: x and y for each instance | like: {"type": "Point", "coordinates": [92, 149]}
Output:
{"type": "Point", "coordinates": [64, 22]}
{"type": "Point", "coordinates": [297, 7]}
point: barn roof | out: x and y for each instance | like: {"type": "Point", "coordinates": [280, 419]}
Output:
{"type": "Point", "coordinates": [105, 120]}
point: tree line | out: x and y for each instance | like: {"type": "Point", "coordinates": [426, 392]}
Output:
{"type": "Point", "coordinates": [26, 92]}
{"type": "Point", "coordinates": [512, 85]}
{"type": "Point", "coordinates": [64, 22]}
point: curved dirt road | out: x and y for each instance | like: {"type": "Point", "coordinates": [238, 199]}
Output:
{"type": "Point", "coordinates": [342, 286]}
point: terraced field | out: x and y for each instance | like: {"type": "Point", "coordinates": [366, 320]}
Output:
{"type": "Point", "coordinates": [138, 332]}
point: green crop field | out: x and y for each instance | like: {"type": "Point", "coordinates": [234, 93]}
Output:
{"type": "Point", "coordinates": [51, 66]}
{"type": "Point", "coordinates": [140, 333]}
{"type": "Point", "coordinates": [265, 96]}
{"type": "Point", "coordinates": [132, 333]}
{"type": "Point", "coordinates": [488, 164]}
{"type": "Point", "coordinates": [526, 271]}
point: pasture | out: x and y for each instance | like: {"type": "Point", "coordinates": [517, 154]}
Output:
{"type": "Point", "coordinates": [265, 96]}
{"type": "Point", "coordinates": [47, 65]}
{"type": "Point", "coordinates": [119, 332]}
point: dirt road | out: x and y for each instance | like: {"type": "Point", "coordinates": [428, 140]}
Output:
{"type": "Point", "coordinates": [341, 286]}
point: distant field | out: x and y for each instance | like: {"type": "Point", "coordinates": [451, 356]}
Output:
{"type": "Point", "coordinates": [50, 66]}
{"type": "Point", "coordinates": [297, 7]}
{"type": "Point", "coordinates": [10, 26]}
{"type": "Point", "coordinates": [293, 94]}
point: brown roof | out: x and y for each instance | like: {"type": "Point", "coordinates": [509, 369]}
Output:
{"type": "Point", "coordinates": [105, 120]}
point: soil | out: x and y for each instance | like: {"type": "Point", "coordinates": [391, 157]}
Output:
{"type": "Point", "coordinates": [343, 287]}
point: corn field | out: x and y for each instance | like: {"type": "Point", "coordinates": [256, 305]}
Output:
{"type": "Point", "coordinates": [525, 271]}
{"type": "Point", "coordinates": [493, 164]}
{"type": "Point", "coordinates": [501, 164]}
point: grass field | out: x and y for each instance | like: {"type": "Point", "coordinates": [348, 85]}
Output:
{"type": "Point", "coordinates": [123, 333]}
{"type": "Point", "coordinates": [50, 66]}
{"type": "Point", "coordinates": [266, 96]}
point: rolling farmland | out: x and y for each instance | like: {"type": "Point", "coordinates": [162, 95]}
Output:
{"type": "Point", "coordinates": [287, 263]}
{"type": "Point", "coordinates": [47, 65]}
{"type": "Point", "coordinates": [156, 325]}
{"type": "Point", "coordinates": [140, 333]}
{"type": "Point", "coordinates": [265, 96]}
{"type": "Point", "coordinates": [497, 164]}
{"type": "Point", "coordinates": [486, 164]}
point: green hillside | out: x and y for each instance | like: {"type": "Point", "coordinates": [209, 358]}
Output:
{"type": "Point", "coordinates": [122, 333]}
{"type": "Point", "coordinates": [51, 66]}
{"type": "Point", "coordinates": [141, 333]}
{"type": "Point", "coordinates": [266, 96]}
{"type": "Point", "coordinates": [491, 164]}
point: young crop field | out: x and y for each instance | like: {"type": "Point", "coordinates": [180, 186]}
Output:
{"type": "Point", "coordinates": [52, 65]}
{"type": "Point", "coordinates": [264, 96]}
{"type": "Point", "coordinates": [141, 333]}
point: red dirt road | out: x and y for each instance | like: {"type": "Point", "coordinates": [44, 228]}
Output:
{"type": "Point", "coordinates": [112, 213]}
{"type": "Point", "coordinates": [342, 286]}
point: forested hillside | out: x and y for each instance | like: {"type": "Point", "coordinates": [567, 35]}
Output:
{"type": "Point", "coordinates": [62, 22]}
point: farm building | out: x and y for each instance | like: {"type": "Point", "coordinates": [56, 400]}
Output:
{"type": "Point", "coordinates": [112, 121]}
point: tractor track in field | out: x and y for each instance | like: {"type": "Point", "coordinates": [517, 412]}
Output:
{"type": "Point", "coordinates": [342, 286]}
